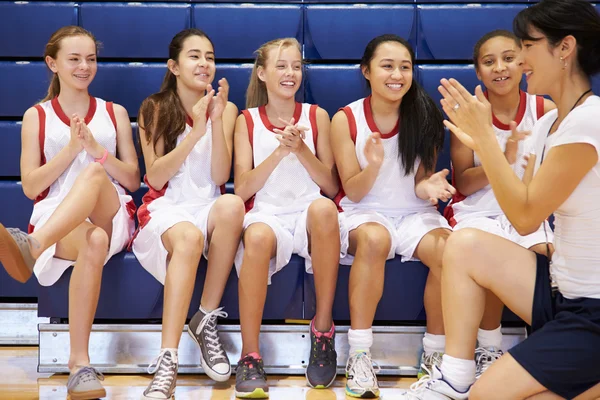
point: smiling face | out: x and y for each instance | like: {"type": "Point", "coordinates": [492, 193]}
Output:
{"type": "Point", "coordinates": [75, 62]}
{"type": "Point", "coordinates": [390, 71]}
{"type": "Point", "coordinates": [195, 67]}
{"type": "Point", "coordinates": [282, 73]}
{"type": "Point", "coordinates": [499, 65]}
{"type": "Point", "coordinates": [541, 64]}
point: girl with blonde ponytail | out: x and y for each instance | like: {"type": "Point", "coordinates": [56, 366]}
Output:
{"type": "Point", "coordinates": [82, 214]}
{"type": "Point", "coordinates": [283, 162]}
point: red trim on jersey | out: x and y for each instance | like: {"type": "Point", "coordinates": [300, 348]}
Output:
{"type": "Point", "coordinates": [66, 120]}
{"type": "Point", "coordinates": [142, 212]}
{"type": "Point", "coordinates": [539, 106]}
{"type": "Point", "coordinates": [457, 198]}
{"type": "Point", "coordinates": [265, 120]}
{"type": "Point", "coordinates": [189, 120]}
{"type": "Point", "coordinates": [250, 126]}
{"type": "Point", "coordinates": [111, 113]}
{"type": "Point", "coordinates": [312, 117]}
{"type": "Point", "coordinates": [520, 112]}
{"type": "Point", "coordinates": [351, 122]}
{"type": "Point", "coordinates": [371, 121]}
{"type": "Point", "coordinates": [42, 141]}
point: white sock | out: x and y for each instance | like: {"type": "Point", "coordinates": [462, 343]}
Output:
{"type": "Point", "coordinates": [434, 343]}
{"type": "Point", "coordinates": [458, 372]}
{"type": "Point", "coordinates": [360, 340]}
{"type": "Point", "coordinates": [204, 311]}
{"type": "Point", "coordinates": [491, 338]}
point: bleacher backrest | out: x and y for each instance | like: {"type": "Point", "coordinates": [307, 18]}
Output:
{"type": "Point", "coordinates": [334, 86]}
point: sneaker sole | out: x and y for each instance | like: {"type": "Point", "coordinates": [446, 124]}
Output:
{"type": "Point", "coordinates": [215, 376]}
{"type": "Point", "coordinates": [366, 395]}
{"type": "Point", "coordinates": [318, 386]}
{"type": "Point", "coordinates": [90, 395]}
{"type": "Point", "coordinates": [258, 393]}
{"type": "Point", "coordinates": [11, 257]}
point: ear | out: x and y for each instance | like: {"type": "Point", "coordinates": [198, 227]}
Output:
{"type": "Point", "coordinates": [51, 63]}
{"type": "Point", "coordinates": [478, 74]}
{"type": "Point", "coordinates": [365, 71]}
{"type": "Point", "coordinates": [260, 72]}
{"type": "Point", "coordinates": [567, 46]}
{"type": "Point", "coordinates": [173, 67]}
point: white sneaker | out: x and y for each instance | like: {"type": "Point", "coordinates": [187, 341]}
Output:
{"type": "Point", "coordinates": [484, 358]}
{"type": "Point", "coordinates": [361, 380]}
{"type": "Point", "coordinates": [433, 387]}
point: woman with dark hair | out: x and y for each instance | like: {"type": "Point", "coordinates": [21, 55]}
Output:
{"type": "Point", "coordinates": [498, 65]}
{"type": "Point", "coordinates": [559, 298]}
{"type": "Point", "coordinates": [385, 148]}
{"type": "Point", "coordinates": [186, 133]}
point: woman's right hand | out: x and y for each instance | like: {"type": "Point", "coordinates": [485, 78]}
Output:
{"type": "Point", "coordinates": [374, 150]}
{"type": "Point", "coordinates": [74, 141]}
{"type": "Point", "coordinates": [199, 113]}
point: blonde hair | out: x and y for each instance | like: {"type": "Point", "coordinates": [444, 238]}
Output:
{"type": "Point", "coordinates": [256, 95]}
{"type": "Point", "coordinates": [52, 48]}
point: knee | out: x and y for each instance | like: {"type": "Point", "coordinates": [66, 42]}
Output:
{"type": "Point", "coordinates": [323, 215]}
{"type": "Point", "coordinates": [230, 209]}
{"type": "Point", "coordinates": [259, 238]}
{"type": "Point", "coordinates": [97, 244]}
{"type": "Point", "coordinates": [93, 172]}
{"type": "Point", "coordinates": [459, 246]}
{"type": "Point", "coordinates": [375, 241]}
{"type": "Point", "coordinates": [189, 241]}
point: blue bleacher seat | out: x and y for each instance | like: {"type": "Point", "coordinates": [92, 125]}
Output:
{"type": "Point", "coordinates": [341, 32]}
{"type": "Point", "coordinates": [430, 76]}
{"type": "Point", "coordinates": [402, 298]}
{"type": "Point", "coordinates": [334, 86]}
{"type": "Point", "coordinates": [449, 32]}
{"type": "Point", "coordinates": [10, 148]}
{"type": "Point", "coordinates": [26, 82]}
{"type": "Point", "coordinates": [248, 26]}
{"type": "Point", "coordinates": [135, 30]}
{"type": "Point", "coordinates": [596, 84]}
{"type": "Point", "coordinates": [26, 26]}
{"type": "Point", "coordinates": [238, 77]}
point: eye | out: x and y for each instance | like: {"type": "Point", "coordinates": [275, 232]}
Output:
{"type": "Point", "coordinates": [405, 67]}
{"type": "Point", "coordinates": [509, 59]}
{"type": "Point", "coordinates": [194, 57]}
{"type": "Point", "coordinates": [387, 66]}
{"type": "Point", "coordinates": [92, 60]}
{"type": "Point", "coordinates": [210, 58]}
{"type": "Point", "coordinates": [488, 62]}
{"type": "Point", "coordinates": [73, 59]}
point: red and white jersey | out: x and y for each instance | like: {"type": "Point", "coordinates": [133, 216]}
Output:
{"type": "Point", "coordinates": [192, 185]}
{"type": "Point", "coordinates": [289, 188]}
{"type": "Point", "coordinates": [55, 134]}
{"type": "Point", "coordinates": [483, 202]}
{"type": "Point", "coordinates": [393, 193]}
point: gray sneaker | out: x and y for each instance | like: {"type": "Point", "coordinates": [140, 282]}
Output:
{"type": "Point", "coordinates": [203, 329]}
{"type": "Point", "coordinates": [427, 363]}
{"type": "Point", "coordinates": [85, 384]}
{"type": "Point", "coordinates": [484, 358]}
{"type": "Point", "coordinates": [250, 378]}
{"type": "Point", "coordinates": [15, 254]}
{"type": "Point", "coordinates": [164, 368]}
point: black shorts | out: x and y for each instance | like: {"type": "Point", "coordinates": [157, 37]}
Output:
{"type": "Point", "coordinates": [563, 351]}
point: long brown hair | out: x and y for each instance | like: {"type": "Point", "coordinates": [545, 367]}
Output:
{"type": "Point", "coordinates": [52, 48]}
{"type": "Point", "coordinates": [256, 95]}
{"type": "Point", "coordinates": [163, 113]}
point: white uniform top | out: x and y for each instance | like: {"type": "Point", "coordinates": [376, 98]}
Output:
{"type": "Point", "coordinates": [191, 186]}
{"type": "Point", "coordinates": [393, 193]}
{"type": "Point", "coordinates": [483, 203]}
{"type": "Point", "coordinates": [576, 261]}
{"type": "Point", "coordinates": [55, 133]}
{"type": "Point", "coordinates": [289, 188]}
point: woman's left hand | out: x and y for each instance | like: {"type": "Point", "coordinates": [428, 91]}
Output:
{"type": "Point", "coordinates": [219, 102]}
{"type": "Point", "coordinates": [89, 143]}
{"type": "Point", "coordinates": [470, 117]}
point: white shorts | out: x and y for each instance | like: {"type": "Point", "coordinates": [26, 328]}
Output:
{"type": "Point", "coordinates": [292, 238]}
{"type": "Point", "coordinates": [48, 269]}
{"type": "Point", "coordinates": [406, 231]}
{"type": "Point", "coordinates": [148, 246]}
{"type": "Point", "coordinates": [501, 226]}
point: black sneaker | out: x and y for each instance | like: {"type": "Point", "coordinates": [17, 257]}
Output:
{"type": "Point", "coordinates": [250, 378]}
{"type": "Point", "coordinates": [322, 365]}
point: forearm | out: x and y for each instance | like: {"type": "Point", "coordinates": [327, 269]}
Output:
{"type": "Point", "coordinates": [165, 167]}
{"type": "Point", "coordinates": [361, 184]}
{"type": "Point", "coordinates": [126, 174]}
{"type": "Point", "coordinates": [221, 155]}
{"type": "Point", "coordinates": [252, 181]}
{"type": "Point", "coordinates": [41, 178]}
{"type": "Point", "coordinates": [471, 180]}
{"type": "Point", "coordinates": [323, 176]}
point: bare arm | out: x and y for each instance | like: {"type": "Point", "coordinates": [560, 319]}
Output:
{"type": "Point", "coordinates": [248, 180]}
{"type": "Point", "coordinates": [123, 169]}
{"type": "Point", "coordinates": [467, 178]}
{"type": "Point", "coordinates": [321, 169]}
{"type": "Point", "coordinates": [357, 183]}
{"type": "Point", "coordinates": [36, 177]}
{"type": "Point", "coordinates": [222, 144]}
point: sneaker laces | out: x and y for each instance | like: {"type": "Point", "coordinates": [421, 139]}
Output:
{"type": "Point", "coordinates": [252, 368]}
{"type": "Point", "coordinates": [486, 357]}
{"type": "Point", "coordinates": [362, 367]}
{"type": "Point", "coordinates": [417, 388]}
{"type": "Point", "coordinates": [165, 367]}
{"type": "Point", "coordinates": [211, 334]}
{"type": "Point", "coordinates": [431, 359]}
{"type": "Point", "coordinates": [85, 374]}
{"type": "Point", "coordinates": [22, 238]}
{"type": "Point", "coordinates": [323, 349]}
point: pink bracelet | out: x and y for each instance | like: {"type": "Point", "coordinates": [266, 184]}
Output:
{"type": "Point", "coordinates": [103, 159]}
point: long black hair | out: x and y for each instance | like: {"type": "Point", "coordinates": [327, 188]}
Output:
{"type": "Point", "coordinates": [421, 121]}
{"type": "Point", "coordinates": [557, 19]}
